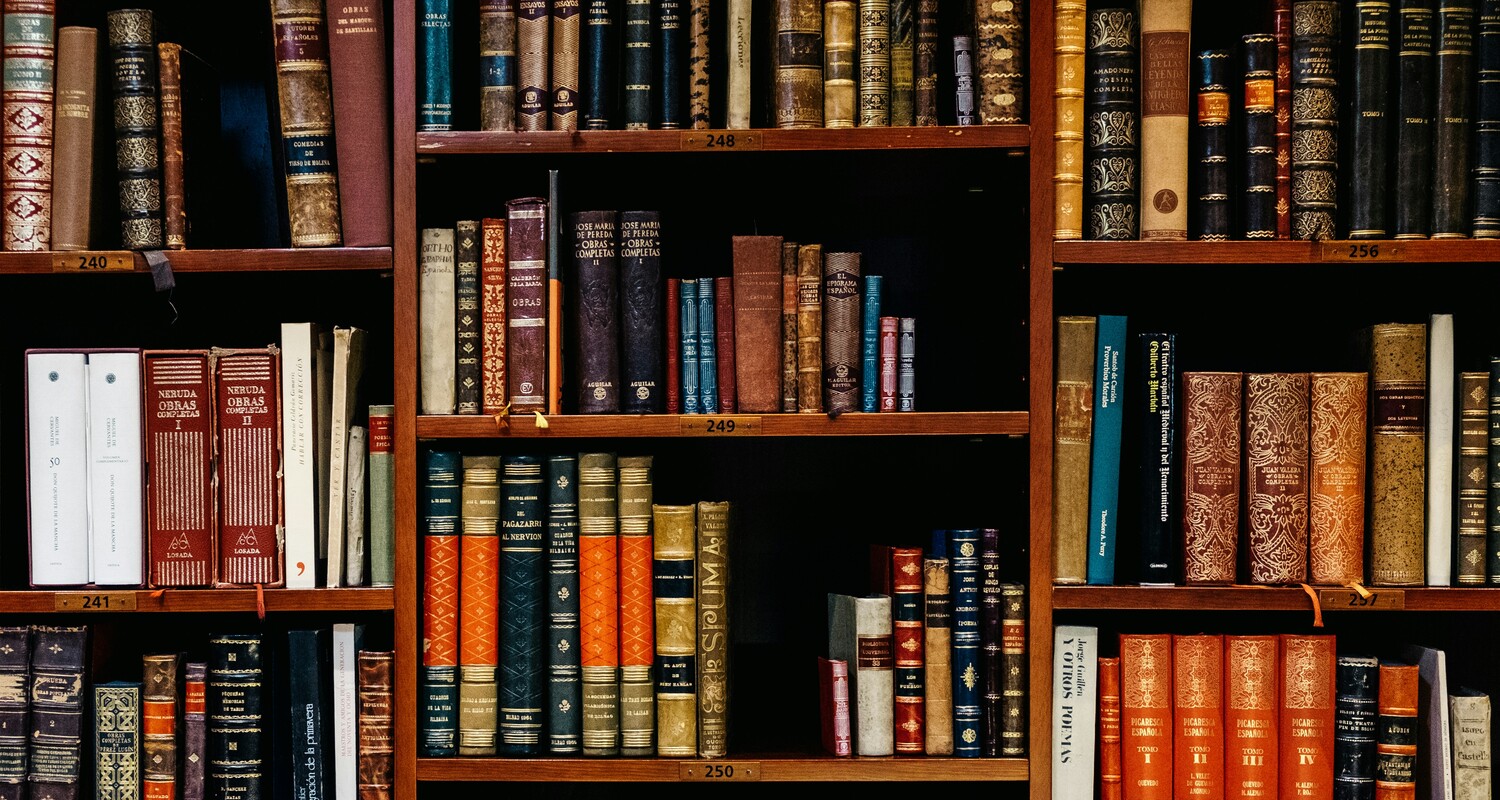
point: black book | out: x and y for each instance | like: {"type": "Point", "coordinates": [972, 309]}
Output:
{"type": "Point", "coordinates": [134, 89]}
{"type": "Point", "coordinates": [597, 63]}
{"type": "Point", "coordinates": [1154, 386]}
{"type": "Point", "coordinates": [1414, 120]}
{"type": "Point", "coordinates": [638, 64]}
{"type": "Point", "coordinates": [310, 695]}
{"type": "Point", "coordinates": [1492, 571]}
{"type": "Point", "coordinates": [468, 381]}
{"type": "Point", "coordinates": [1315, 59]}
{"type": "Point", "coordinates": [236, 716]}
{"type": "Point", "coordinates": [1260, 136]}
{"type": "Point", "coordinates": [1369, 128]}
{"type": "Point", "coordinates": [1487, 125]}
{"type": "Point", "coordinates": [595, 238]}
{"type": "Point", "coordinates": [1212, 176]}
{"type": "Point", "coordinates": [1453, 120]}
{"type": "Point", "coordinates": [643, 391]}
{"type": "Point", "coordinates": [671, 57]}
{"type": "Point", "coordinates": [57, 699]}
{"type": "Point", "coordinates": [1112, 148]}
{"type": "Point", "coordinates": [15, 702]}
{"type": "Point", "coordinates": [1354, 727]}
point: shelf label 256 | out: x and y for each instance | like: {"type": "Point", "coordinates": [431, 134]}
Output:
{"type": "Point", "coordinates": [719, 425]}
{"type": "Point", "coordinates": [718, 771]}
{"type": "Point", "coordinates": [93, 601]}
{"type": "Point", "coordinates": [1367, 250]}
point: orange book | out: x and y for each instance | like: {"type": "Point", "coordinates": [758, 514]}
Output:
{"type": "Point", "coordinates": [1146, 716]}
{"type": "Point", "coordinates": [479, 605]}
{"type": "Point", "coordinates": [598, 601]}
{"type": "Point", "coordinates": [1198, 716]}
{"type": "Point", "coordinates": [1307, 705]}
{"type": "Point", "coordinates": [1396, 732]}
{"type": "Point", "coordinates": [1250, 719]}
{"type": "Point", "coordinates": [1110, 787]}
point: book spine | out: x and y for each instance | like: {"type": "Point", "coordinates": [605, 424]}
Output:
{"type": "Point", "coordinates": [1074, 427]}
{"type": "Point", "coordinates": [361, 132]}
{"type": "Point", "coordinates": [565, 60]}
{"type": "Point", "coordinates": [438, 719]}
{"type": "Point", "coordinates": [673, 355]}
{"type": "Point", "coordinates": [675, 545]}
{"type": "Point", "coordinates": [27, 134]}
{"type": "Point", "coordinates": [1111, 778]}
{"type": "Point", "coordinates": [1470, 720]}
{"type": "Point", "coordinates": [57, 468]}
{"type": "Point", "coordinates": [798, 60]}
{"type": "Point", "coordinates": [57, 704]}
{"type": "Point", "coordinates": [595, 236]}
{"type": "Point", "coordinates": [841, 331]}
{"type": "Point", "coordinates": [1369, 128]}
{"type": "Point", "coordinates": [308, 723]}
{"type": "Point", "coordinates": [1155, 371]}
{"type": "Point", "coordinates": [671, 63]}
{"type": "Point", "coordinates": [1398, 416]}
{"type": "Point", "coordinates": [1414, 124]}
{"type": "Point", "coordinates": [759, 263]}
{"type": "Point", "coordinates": [964, 585]}
{"type": "Point", "coordinates": [467, 375]}
{"type": "Point", "coordinates": [1276, 479]}
{"type": "Point", "coordinates": [1440, 464]}
{"type": "Point", "coordinates": [377, 724]}
{"type": "Point", "coordinates": [236, 716]}
{"type": "Point", "coordinates": [1165, 26]}
{"type": "Point", "coordinates": [564, 667]}
{"type": "Point", "coordinates": [194, 729]}
{"type": "Point", "coordinates": [355, 501]}
{"type": "Point", "coordinates": [1112, 150]}
{"type": "Point", "coordinates": [1354, 727]}
{"type": "Point", "coordinates": [637, 66]}
{"type": "Point", "coordinates": [1452, 120]}
{"type": "Point", "coordinates": [492, 313]}
{"type": "Point", "coordinates": [902, 22]}
{"type": "Point", "coordinates": [869, 350]}
{"type": "Point", "coordinates": [708, 343]}
{"type": "Point", "coordinates": [132, 50]}
{"type": "Point", "coordinates": [534, 89]}
{"type": "Point", "coordinates": [925, 63]}
{"type": "Point", "coordinates": [15, 707]}
{"type": "Point", "coordinates": [991, 612]}
{"type": "Point", "coordinates": [641, 312]}
{"type": "Point", "coordinates": [1069, 28]}
{"type": "Point", "coordinates": [889, 360]}
{"type": "Point", "coordinates": [724, 348]}
{"type": "Point", "coordinates": [1473, 474]}
{"type": "Point", "coordinates": [435, 66]}
{"type": "Point", "coordinates": [687, 313]}
{"type": "Point", "coordinates": [937, 651]}
{"type": "Point", "coordinates": [248, 417]}
{"type": "Point", "coordinates": [306, 89]}
{"type": "Point", "coordinates": [1104, 462]}
{"type": "Point", "coordinates": [382, 495]}
{"type": "Point", "coordinates": [1211, 476]}
{"type": "Point", "coordinates": [906, 364]}
{"type": "Point", "coordinates": [711, 598]}
{"type": "Point", "coordinates": [1013, 655]}
{"type": "Point", "coordinates": [1146, 729]}
{"type": "Point", "coordinates": [1307, 712]}
{"type": "Point", "coordinates": [438, 337]}
{"type": "Point", "coordinates": [1339, 403]}
{"type": "Point", "coordinates": [1492, 569]}
{"type": "Point", "coordinates": [910, 676]}
{"type": "Point", "coordinates": [1198, 735]}
{"type": "Point", "coordinates": [1259, 128]}
{"type": "Point", "coordinates": [1075, 665]}
{"type": "Point", "coordinates": [179, 448]}
{"type": "Point", "coordinates": [789, 327]}
{"type": "Point", "coordinates": [117, 518]}
{"type": "Point", "coordinates": [840, 104]}
{"type": "Point", "coordinates": [73, 136]}
{"type": "Point", "coordinates": [810, 327]}
{"type": "Point", "coordinates": [478, 611]}
{"type": "Point", "coordinates": [1395, 733]}
{"type": "Point", "coordinates": [1251, 756]}
{"type": "Point", "coordinates": [737, 78]}
{"type": "Point", "coordinates": [526, 293]}
{"type": "Point", "coordinates": [598, 58]}
{"type": "Point", "coordinates": [637, 609]}
{"type": "Point", "coordinates": [874, 68]}
{"type": "Point", "coordinates": [1315, 68]}
{"type": "Point", "coordinates": [874, 689]}
{"type": "Point", "coordinates": [497, 65]}
{"type": "Point", "coordinates": [598, 583]}
{"type": "Point", "coordinates": [1213, 146]}
{"type": "Point", "coordinates": [1281, 21]}
{"type": "Point", "coordinates": [117, 739]}
{"type": "Point", "coordinates": [344, 741]}
{"type": "Point", "coordinates": [1487, 125]}
{"type": "Point", "coordinates": [833, 694]}
{"type": "Point", "coordinates": [698, 57]}
{"type": "Point", "coordinates": [522, 628]}
{"type": "Point", "coordinates": [174, 220]}
{"type": "Point", "coordinates": [1000, 40]}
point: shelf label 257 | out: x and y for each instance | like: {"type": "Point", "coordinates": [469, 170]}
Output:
{"type": "Point", "coordinates": [718, 771]}
{"type": "Point", "coordinates": [1350, 600]}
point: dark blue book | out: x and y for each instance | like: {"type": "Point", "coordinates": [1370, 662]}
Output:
{"type": "Point", "coordinates": [641, 387]}
{"type": "Point", "coordinates": [1104, 472]}
{"type": "Point", "coordinates": [1354, 711]}
{"type": "Point", "coordinates": [638, 64]}
{"type": "Point", "coordinates": [597, 63]}
{"type": "Point", "coordinates": [671, 56]}
{"type": "Point", "coordinates": [687, 324]}
{"type": "Point", "coordinates": [522, 625]}
{"type": "Point", "coordinates": [564, 667]}
{"type": "Point", "coordinates": [310, 692]}
{"type": "Point", "coordinates": [963, 566]}
{"type": "Point", "coordinates": [434, 65]}
{"type": "Point", "coordinates": [708, 360]}
{"type": "Point", "coordinates": [250, 163]}
{"type": "Point", "coordinates": [869, 395]}
{"type": "Point", "coordinates": [438, 679]}
{"type": "Point", "coordinates": [236, 695]}
{"type": "Point", "coordinates": [1154, 388]}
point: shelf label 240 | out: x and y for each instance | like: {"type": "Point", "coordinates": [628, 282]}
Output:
{"type": "Point", "coordinates": [93, 261]}
{"type": "Point", "coordinates": [718, 771]}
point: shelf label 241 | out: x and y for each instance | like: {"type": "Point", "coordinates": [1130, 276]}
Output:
{"type": "Point", "coordinates": [93, 601]}
{"type": "Point", "coordinates": [718, 771]}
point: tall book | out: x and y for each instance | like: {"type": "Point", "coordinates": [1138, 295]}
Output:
{"type": "Point", "coordinates": [247, 437]}
{"type": "Point", "coordinates": [1492, 569]}
{"type": "Point", "coordinates": [1259, 126]}
{"type": "Point", "coordinates": [194, 729]}
{"type": "Point", "coordinates": [117, 739]}
{"type": "Point", "coordinates": [1000, 46]}
{"type": "Point", "coordinates": [833, 706]}
{"type": "Point", "coordinates": [467, 376]}
{"type": "Point", "coordinates": [1469, 715]}
{"type": "Point", "coordinates": [1070, 27]}
{"type": "Point", "coordinates": [438, 336]}
{"type": "Point", "coordinates": [1112, 150]}
{"type": "Point", "coordinates": [840, 98]}
{"type": "Point", "coordinates": [434, 65]}
{"type": "Point", "coordinates": [309, 690]}
{"type": "Point", "coordinates": [925, 64]}
{"type": "Point", "coordinates": [1369, 129]}
{"type": "Point", "coordinates": [1073, 422]}
{"type": "Point", "coordinates": [711, 598]}
{"type": "Point", "coordinates": [1281, 25]}
{"type": "Point", "coordinates": [1111, 779]}
{"type": "Point", "coordinates": [15, 708]}
{"type": "Point", "coordinates": [526, 293]}
{"type": "Point", "coordinates": [1315, 59]}
{"type": "Point", "coordinates": [382, 472]}
{"type": "Point", "coordinates": [1198, 712]}
{"type": "Point", "coordinates": [58, 658]}
{"type": "Point", "coordinates": [1396, 735]}
{"type": "Point", "coordinates": [1147, 734]}
{"type": "Point", "coordinates": [874, 64]}
{"type": "Point", "coordinates": [859, 632]}
{"type": "Point", "coordinates": [565, 60]}
{"type": "Point", "coordinates": [673, 355]}
{"type": "Point", "coordinates": [757, 322]}
{"type": "Point", "coordinates": [991, 614]}
{"type": "Point", "coordinates": [1398, 377]}
{"type": "Point", "coordinates": [132, 53]}
{"type": "Point", "coordinates": [74, 107]}
{"type": "Point", "coordinates": [1441, 399]}
{"type": "Point", "coordinates": [1473, 477]}
{"type": "Point", "coordinates": [564, 662]}
{"type": "Point", "coordinates": [708, 347]}
{"type": "Point", "coordinates": [937, 647]}
{"type": "Point", "coordinates": [1453, 119]}
{"type": "Point", "coordinates": [299, 446]}
{"type": "Point", "coordinates": [305, 86]}
{"type": "Point", "coordinates": [1211, 475]}
{"type": "Point", "coordinates": [1434, 762]}
{"type": "Point", "coordinates": [906, 364]}
{"type": "Point", "coordinates": [533, 89]}
{"type": "Point", "coordinates": [1276, 480]}
{"type": "Point", "coordinates": [26, 135]}
{"type": "Point", "coordinates": [698, 63]}
{"type": "Point", "coordinates": [1075, 665]}
{"type": "Point", "coordinates": [641, 388]}
{"type": "Point", "coordinates": [869, 345]}
{"type": "Point", "coordinates": [116, 473]}
{"type": "Point", "coordinates": [737, 76]}
{"type": "Point", "coordinates": [1165, 35]}
{"type": "Point", "coordinates": [1307, 682]}
{"type": "Point", "coordinates": [377, 724]}
{"type": "Point", "coordinates": [344, 537]}
{"type": "Point", "coordinates": [361, 92]}
{"type": "Point", "coordinates": [522, 619]}
{"type": "Point", "coordinates": [1013, 669]}
{"type": "Point", "coordinates": [554, 297]}
{"type": "Point", "coordinates": [1104, 459]}
{"type": "Point", "coordinates": [798, 92]}
{"type": "Point", "coordinates": [479, 561]}
{"type": "Point", "coordinates": [687, 357]}
{"type": "Point", "coordinates": [1416, 37]}
{"type": "Point", "coordinates": [57, 467]}
{"type": "Point", "coordinates": [497, 65]}
{"type": "Point", "coordinates": [1339, 405]}
{"type": "Point", "coordinates": [492, 316]}
{"type": "Point", "coordinates": [1158, 465]}
{"type": "Point", "coordinates": [674, 549]}
{"type": "Point", "coordinates": [638, 63]}
{"type": "Point", "coordinates": [595, 237]}
{"type": "Point", "coordinates": [1212, 145]}
{"type": "Point", "coordinates": [598, 569]}
{"type": "Point", "coordinates": [789, 326]}
{"type": "Point", "coordinates": [1487, 125]}
{"type": "Point", "coordinates": [1251, 699]}
{"type": "Point", "coordinates": [236, 716]}
{"type": "Point", "coordinates": [160, 689]}
{"type": "Point", "coordinates": [670, 47]}
{"type": "Point", "coordinates": [902, 21]}
{"type": "Point", "coordinates": [809, 327]}
{"type": "Point", "coordinates": [910, 659]}
{"type": "Point", "coordinates": [346, 641]}
{"type": "Point", "coordinates": [437, 721]}
{"type": "Point", "coordinates": [637, 611]}
{"type": "Point", "coordinates": [965, 664]}
{"type": "Point", "coordinates": [1354, 726]}
{"type": "Point", "coordinates": [724, 351]}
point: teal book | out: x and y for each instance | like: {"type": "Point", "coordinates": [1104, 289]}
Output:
{"type": "Point", "coordinates": [692, 401]}
{"type": "Point", "coordinates": [708, 360]}
{"type": "Point", "coordinates": [435, 66]}
{"type": "Point", "coordinates": [869, 394]}
{"type": "Point", "coordinates": [524, 674]}
{"type": "Point", "coordinates": [1104, 470]}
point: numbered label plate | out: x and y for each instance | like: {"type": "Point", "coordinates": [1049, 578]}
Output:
{"type": "Point", "coordinates": [719, 141]}
{"type": "Point", "coordinates": [718, 425]}
{"type": "Point", "coordinates": [94, 601]}
{"type": "Point", "coordinates": [718, 771]}
{"type": "Point", "coordinates": [1369, 250]}
{"type": "Point", "coordinates": [94, 261]}
{"type": "Point", "coordinates": [1348, 599]}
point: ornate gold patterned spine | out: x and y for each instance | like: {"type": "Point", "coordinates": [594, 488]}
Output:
{"type": "Point", "coordinates": [1067, 99]}
{"type": "Point", "coordinates": [1337, 443]}
{"type": "Point", "coordinates": [1275, 450]}
{"type": "Point", "coordinates": [1211, 475]}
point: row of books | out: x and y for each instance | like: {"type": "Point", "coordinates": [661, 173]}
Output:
{"type": "Point", "coordinates": [564, 549]}
{"type": "Point", "coordinates": [835, 64]}
{"type": "Point", "coordinates": [793, 329]}
{"type": "Point", "coordinates": [1381, 476]}
{"type": "Point", "coordinates": [217, 727]}
{"type": "Point", "coordinates": [228, 466]}
{"type": "Point", "coordinates": [1280, 715]}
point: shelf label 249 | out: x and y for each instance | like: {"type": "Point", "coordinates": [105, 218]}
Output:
{"type": "Point", "coordinates": [719, 425]}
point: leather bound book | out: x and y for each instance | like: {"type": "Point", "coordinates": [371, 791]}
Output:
{"type": "Point", "coordinates": [492, 316]}
{"type": "Point", "coordinates": [841, 331]}
{"type": "Point", "coordinates": [247, 417]}
{"type": "Point", "coordinates": [26, 135]}
{"type": "Point", "coordinates": [1398, 421]}
{"type": "Point", "coordinates": [59, 656]}
{"type": "Point", "coordinates": [869, 344]}
{"type": "Point", "coordinates": [1146, 729]}
{"type": "Point", "coordinates": [724, 350]}
{"type": "Point", "coordinates": [194, 729]}
{"type": "Point", "coordinates": [174, 219]}
{"type": "Point", "coordinates": [306, 90]}
{"type": "Point", "coordinates": [73, 136]}
{"type": "Point", "coordinates": [902, 21]}
{"type": "Point", "coordinates": [1198, 732]}
{"type": "Point", "coordinates": [1307, 683]}
{"type": "Point", "coordinates": [1276, 480]}
{"type": "Point", "coordinates": [159, 691]}
{"type": "Point", "coordinates": [1158, 465]}
{"type": "Point", "coordinates": [1259, 128]}
{"type": "Point", "coordinates": [236, 716]}
{"type": "Point", "coordinates": [840, 105]}
{"type": "Point", "coordinates": [937, 648]}
{"type": "Point", "coordinates": [117, 739]}
{"type": "Point", "coordinates": [698, 56]}
{"type": "Point", "coordinates": [810, 328]}
{"type": "Point", "coordinates": [925, 61]}
{"type": "Point", "coordinates": [789, 327]}
{"type": "Point", "coordinates": [859, 634]}
{"type": "Point", "coordinates": [1210, 475]}
{"type": "Point", "coordinates": [437, 340]}
{"type": "Point", "coordinates": [1395, 732]}
{"type": "Point", "coordinates": [376, 725]}
{"type": "Point", "coordinates": [362, 129]}
{"type": "Point", "coordinates": [434, 65]}
{"type": "Point", "coordinates": [179, 484]}
{"type": "Point", "coordinates": [1213, 145]}
{"type": "Point", "coordinates": [1473, 476]}
{"type": "Point", "coordinates": [437, 721]}
{"type": "Point", "coordinates": [523, 625]}
{"type": "Point", "coordinates": [1492, 568]}
{"type": "Point", "coordinates": [1469, 715]}
{"type": "Point", "coordinates": [799, 63]}
{"type": "Point", "coordinates": [310, 712]}
{"type": "Point", "coordinates": [737, 76]}
{"type": "Point", "coordinates": [757, 323]}
{"type": "Point", "coordinates": [1487, 125]}
{"type": "Point", "coordinates": [833, 706]}
{"type": "Point", "coordinates": [564, 665]}
{"type": "Point", "coordinates": [15, 705]}
{"type": "Point", "coordinates": [132, 52]}
{"type": "Point", "coordinates": [1250, 702]}
{"type": "Point", "coordinates": [1073, 423]}
{"type": "Point", "coordinates": [1354, 727]}
{"type": "Point", "coordinates": [565, 59]}
{"type": "Point", "coordinates": [595, 236]}
{"type": "Point", "coordinates": [711, 598]}
{"type": "Point", "coordinates": [533, 88]}
{"type": "Point", "coordinates": [478, 610]}
{"type": "Point", "coordinates": [641, 313]}
{"type": "Point", "coordinates": [1013, 655]}
{"type": "Point", "coordinates": [687, 314]}
{"type": "Point", "coordinates": [1111, 778]}
{"type": "Point", "coordinates": [675, 546]}
{"type": "Point", "coordinates": [598, 591]}
{"type": "Point", "coordinates": [1315, 104]}
{"type": "Point", "coordinates": [526, 291]}
{"type": "Point", "coordinates": [1417, 36]}
{"type": "Point", "coordinates": [1000, 50]}
{"type": "Point", "coordinates": [671, 63]}
{"type": "Point", "coordinates": [1453, 119]}
{"type": "Point", "coordinates": [1068, 115]}
{"type": "Point", "coordinates": [468, 375]}
{"type": "Point", "coordinates": [637, 610]}
{"type": "Point", "coordinates": [638, 63]}
{"type": "Point", "coordinates": [1281, 22]}
{"type": "Point", "coordinates": [906, 370]}
{"type": "Point", "coordinates": [1112, 147]}
{"type": "Point", "coordinates": [497, 65]}
{"type": "Point", "coordinates": [1165, 29]}
{"type": "Point", "coordinates": [1337, 492]}
{"type": "Point", "coordinates": [874, 64]}
{"type": "Point", "coordinates": [888, 361]}
{"type": "Point", "coordinates": [966, 658]}
{"type": "Point", "coordinates": [990, 614]}
{"type": "Point", "coordinates": [598, 55]}
{"type": "Point", "coordinates": [708, 358]}
{"type": "Point", "coordinates": [907, 613]}
{"type": "Point", "coordinates": [1369, 129]}
{"type": "Point", "coordinates": [673, 355]}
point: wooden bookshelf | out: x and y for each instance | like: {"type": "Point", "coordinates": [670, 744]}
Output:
{"type": "Point", "coordinates": [616, 426]}
{"type": "Point", "coordinates": [1279, 253]}
{"type": "Point", "coordinates": [1009, 137]}
{"type": "Point", "coordinates": [1259, 598]}
{"type": "Point", "coordinates": [776, 768]}
{"type": "Point", "coordinates": [270, 260]}
{"type": "Point", "coordinates": [43, 601]}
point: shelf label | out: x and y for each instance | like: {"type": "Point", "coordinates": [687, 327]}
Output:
{"type": "Point", "coordinates": [1368, 250]}
{"type": "Point", "coordinates": [1350, 600]}
{"type": "Point", "coordinates": [718, 771]}
{"type": "Point", "coordinates": [719, 425]}
{"type": "Point", "coordinates": [719, 141]}
{"type": "Point", "coordinates": [94, 261]}
{"type": "Point", "coordinates": [93, 601]}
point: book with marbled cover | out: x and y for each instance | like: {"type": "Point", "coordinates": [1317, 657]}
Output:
{"type": "Point", "coordinates": [26, 108]}
{"type": "Point", "coordinates": [1211, 475]}
{"type": "Point", "coordinates": [637, 611]}
{"type": "Point", "coordinates": [789, 326]}
{"type": "Point", "coordinates": [376, 725]}
{"type": "Point", "coordinates": [1354, 727]}
{"type": "Point", "coordinates": [1073, 419]}
{"type": "Point", "coordinates": [564, 665]}
{"type": "Point", "coordinates": [478, 609]}
{"type": "Point", "coordinates": [1146, 700]}
{"type": "Point", "coordinates": [1000, 50]}
{"type": "Point", "coordinates": [1276, 484]}
{"type": "Point", "coordinates": [522, 622]}
{"type": "Point", "coordinates": [15, 705]}
{"type": "Point", "coordinates": [437, 720]}
{"type": "Point", "coordinates": [497, 65]}
{"type": "Point", "coordinates": [117, 740]}
{"type": "Point", "coordinates": [1112, 125]}
{"type": "Point", "coordinates": [1307, 678]}
{"type": "Point", "coordinates": [1336, 443]}
{"type": "Point", "coordinates": [1396, 732]}
{"type": "Point", "coordinates": [305, 86]}
{"type": "Point", "coordinates": [1250, 702]}
{"type": "Point", "coordinates": [598, 565]}
{"type": "Point", "coordinates": [799, 63]}
{"type": "Point", "coordinates": [1397, 505]}
{"type": "Point", "coordinates": [711, 597]}
{"type": "Point", "coordinates": [840, 95]}
{"type": "Point", "coordinates": [160, 690]}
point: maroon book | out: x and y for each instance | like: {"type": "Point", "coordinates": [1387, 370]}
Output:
{"type": "Point", "coordinates": [889, 340]}
{"type": "Point", "coordinates": [526, 291]}
{"type": "Point", "coordinates": [247, 392]}
{"type": "Point", "coordinates": [833, 706]}
{"type": "Point", "coordinates": [724, 342]}
{"type": "Point", "coordinates": [674, 345]}
{"type": "Point", "coordinates": [179, 457]}
{"type": "Point", "coordinates": [361, 128]}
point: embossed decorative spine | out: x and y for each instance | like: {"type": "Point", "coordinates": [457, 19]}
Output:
{"type": "Point", "coordinates": [698, 55]}
{"type": "Point", "coordinates": [1070, 26]}
{"type": "Point", "coordinates": [874, 63]}
{"type": "Point", "coordinates": [906, 624]}
{"type": "Point", "coordinates": [964, 667]}
{"type": "Point", "coordinates": [533, 88]}
{"type": "Point", "coordinates": [523, 625]}
{"type": "Point", "coordinates": [641, 312]}
{"type": "Point", "coordinates": [1492, 568]}
{"type": "Point", "coordinates": [674, 547]}
{"type": "Point", "coordinates": [1159, 465]}
{"type": "Point", "coordinates": [305, 87]}
{"type": "Point", "coordinates": [497, 65]}
{"type": "Point", "coordinates": [1213, 146]}
{"type": "Point", "coordinates": [1473, 477]}
{"type": "Point", "coordinates": [1396, 732]}
{"type": "Point", "coordinates": [179, 486]}
{"type": "Point", "coordinates": [58, 660]}
{"type": "Point", "coordinates": [1260, 136]}
{"type": "Point", "coordinates": [1315, 110]}
{"type": "Point", "coordinates": [159, 692]}
{"type": "Point", "coordinates": [711, 596]}
{"type": "Point", "coordinates": [890, 332]}
{"type": "Point", "coordinates": [15, 707]}
{"type": "Point", "coordinates": [598, 585]}
{"type": "Point", "coordinates": [1165, 42]}
{"type": "Point", "coordinates": [247, 411]}
{"type": "Point", "coordinates": [809, 328]}
{"type": "Point", "coordinates": [137, 126]}
{"type": "Point", "coordinates": [1198, 695]}
{"type": "Point", "coordinates": [1453, 120]}
{"type": "Point", "coordinates": [237, 688]}
{"type": "Point", "coordinates": [565, 59]}
{"type": "Point", "coordinates": [526, 293]}
{"type": "Point", "coordinates": [174, 218]}
{"type": "Point", "coordinates": [1369, 129]}
{"type": "Point", "coordinates": [438, 677]}
{"type": "Point", "coordinates": [1354, 727]}
{"type": "Point", "coordinates": [564, 659]}
{"type": "Point", "coordinates": [26, 124]}
{"type": "Point", "coordinates": [1414, 124]}
{"type": "Point", "coordinates": [840, 105]}
{"type": "Point", "coordinates": [671, 63]}
{"type": "Point", "coordinates": [963, 93]}
{"type": "Point", "coordinates": [478, 611]}
{"type": "Point", "coordinates": [925, 64]}
{"type": "Point", "coordinates": [1013, 695]}
{"type": "Point", "coordinates": [595, 237]}
{"type": "Point", "coordinates": [434, 65]}
{"type": "Point", "coordinates": [1000, 50]}
{"type": "Point", "coordinates": [1339, 404]}
{"type": "Point", "coordinates": [1073, 422]}
{"type": "Point", "coordinates": [1307, 678]}
{"type": "Point", "coordinates": [841, 331]}
{"type": "Point", "coordinates": [789, 327]}
{"type": "Point", "coordinates": [1111, 778]}
{"type": "Point", "coordinates": [376, 724]}
{"type": "Point", "coordinates": [902, 21]}
{"type": "Point", "coordinates": [708, 359]}
{"type": "Point", "coordinates": [1398, 422]}
{"type": "Point", "coordinates": [906, 364]}
{"type": "Point", "coordinates": [799, 63]}
{"type": "Point", "coordinates": [117, 739]}
{"type": "Point", "coordinates": [1276, 479]}
{"type": "Point", "coordinates": [833, 706]}
{"type": "Point", "coordinates": [73, 143]}
{"type": "Point", "coordinates": [1112, 148]}
{"type": "Point", "coordinates": [1146, 729]}
{"type": "Point", "coordinates": [637, 609]}
{"type": "Point", "coordinates": [937, 693]}
{"type": "Point", "coordinates": [492, 314]}
{"type": "Point", "coordinates": [1250, 702]}
{"type": "Point", "coordinates": [598, 57]}
{"type": "Point", "coordinates": [468, 379]}
{"type": "Point", "coordinates": [1210, 475]}
{"type": "Point", "coordinates": [1487, 125]}
{"type": "Point", "coordinates": [638, 65]}
{"type": "Point", "coordinates": [737, 78]}
{"type": "Point", "coordinates": [438, 338]}
{"type": "Point", "coordinates": [1281, 20]}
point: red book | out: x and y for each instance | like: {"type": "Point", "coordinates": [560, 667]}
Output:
{"type": "Point", "coordinates": [907, 612]}
{"type": "Point", "coordinates": [833, 705]}
{"type": "Point", "coordinates": [724, 343]}
{"type": "Point", "coordinates": [1307, 670]}
{"type": "Point", "coordinates": [1110, 779]}
{"type": "Point", "coordinates": [889, 338]}
{"type": "Point", "coordinates": [26, 136]}
{"type": "Point", "coordinates": [247, 392]}
{"type": "Point", "coordinates": [361, 128]}
{"type": "Point", "coordinates": [674, 346]}
{"type": "Point", "coordinates": [1250, 724]}
{"type": "Point", "coordinates": [1281, 16]}
{"type": "Point", "coordinates": [1198, 729]}
{"type": "Point", "coordinates": [179, 455]}
{"type": "Point", "coordinates": [491, 315]}
{"type": "Point", "coordinates": [1146, 715]}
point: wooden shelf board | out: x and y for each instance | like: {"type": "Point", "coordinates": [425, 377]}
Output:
{"type": "Point", "coordinates": [1424, 251]}
{"type": "Point", "coordinates": [37, 601]}
{"type": "Point", "coordinates": [1015, 137]}
{"type": "Point", "coordinates": [268, 260]}
{"type": "Point", "coordinates": [912, 423]}
{"type": "Point", "coordinates": [774, 768]}
{"type": "Point", "coordinates": [1253, 598]}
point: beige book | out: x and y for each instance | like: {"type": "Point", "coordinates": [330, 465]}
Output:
{"type": "Point", "coordinates": [72, 186]}
{"type": "Point", "coordinates": [1073, 428]}
{"type": "Point", "coordinates": [1165, 45]}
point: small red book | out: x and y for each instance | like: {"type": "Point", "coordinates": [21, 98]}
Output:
{"type": "Point", "coordinates": [1110, 778]}
{"type": "Point", "coordinates": [724, 342]}
{"type": "Point", "coordinates": [833, 705]}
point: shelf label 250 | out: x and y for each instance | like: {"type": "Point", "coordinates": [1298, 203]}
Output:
{"type": "Point", "coordinates": [718, 771]}
{"type": "Point", "coordinates": [719, 425]}
{"type": "Point", "coordinates": [93, 261]}
{"type": "Point", "coordinates": [1350, 600]}
{"type": "Point", "coordinates": [93, 601]}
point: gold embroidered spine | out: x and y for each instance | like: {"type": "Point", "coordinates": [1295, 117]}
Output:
{"type": "Point", "coordinates": [874, 63]}
{"type": "Point", "coordinates": [1000, 47]}
{"type": "Point", "coordinates": [174, 218]}
{"type": "Point", "coordinates": [839, 100]}
{"type": "Point", "coordinates": [533, 60]}
{"type": "Point", "coordinates": [72, 188]}
{"type": "Point", "coordinates": [565, 65]}
{"type": "Point", "coordinates": [1337, 444]}
{"type": "Point", "coordinates": [1398, 422]}
{"type": "Point", "coordinates": [1067, 135]}
{"type": "Point", "coordinates": [1211, 479]}
{"type": "Point", "coordinates": [1474, 476]}
{"type": "Point", "coordinates": [1250, 703]}
{"type": "Point", "coordinates": [788, 326]}
{"type": "Point", "coordinates": [1073, 429]}
{"type": "Point", "coordinates": [132, 50]}
{"type": "Point", "coordinates": [698, 53]}
{"type": "Point", "coordinates": [799, 64]}
{"type": "Point", "coordinates": [1275, 449]}
{"type": "Point", "coordinates": [26, 135]}
{"type": "Point", "coordinates": [810, 329]}
{"type": "Point", "coordinates": [306, 101]}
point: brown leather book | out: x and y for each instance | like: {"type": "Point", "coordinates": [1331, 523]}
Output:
{"type": "Point", "coordinates": [361, 123]}
{"type": "Point", "coordinates": [526, 288]}
{"type": "Point", "coordinates": [26, 142]}
{"type": "Point", "coordinates": [839, 97]}
{"type": "Point", "coordinates": [841, 332]}
{"type": "Point", "coordinates": [810, 329]}
{"type": "Point", "coordinates": [1307, 707]}
{"type": "Point", "coordinates": [1276, 476]}
{"type": "Point", "coordinates": [698, 56]}
{"type": "Point", "coordinates": [1211, 475]}
{"type": "Point", "coordinates": [1396, 731]}
{"type": "Point", "coordinates": [757, 323]}
{"type": "Point", "coordinates": [377, 734]}
{"type": "Point", "coordinates": [1165, 96]}
{"type": "Point", "coordinates": [1337, 437]}
{"type": "Point", "coordinates": [799, 63]}
{"type": "Point", "coordinates": [1111, 778]}
{"type": "Point", "coordinates": [1000, 48]}
{"type": "Point", "coordinates": [1146, 715]}
{"type": "Point", "coordinates": [174, 214]}
{"type": "Point", "coordinates": [73, 136]}
{"type": "Point", "coordinates": [1398, 435]}
{"type": "Point", "coordinates": [788, 326]}
{"type": "Point", "coordinates": [533, 58]}
{"type": "Point", "coordinates": [1073, 426]}
{"type": "Point", "coordinates": [159, 693]}
{"type": "Point", "coordinates": [1198, 709]}
{"type": "Point", "coordinates": [1474, 471]}
{"type": "Point", "coordinates": [1250, 702]}
{"type": "Point", "coordinates": [724, 339]}
{"type": "Point", "coordinates": [938, 648]}
{"type": "Point", "coordinates": [306, 101]}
